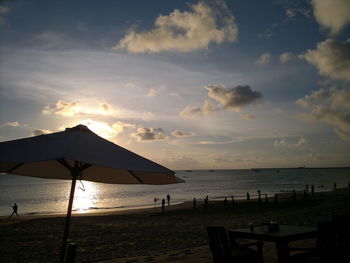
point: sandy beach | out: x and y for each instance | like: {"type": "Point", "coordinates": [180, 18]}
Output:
{"type": "Point", "coordinates": [177, 235]}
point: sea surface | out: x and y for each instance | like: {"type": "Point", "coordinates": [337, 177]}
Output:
{"type": "Point", "coordinates": [45, 196]}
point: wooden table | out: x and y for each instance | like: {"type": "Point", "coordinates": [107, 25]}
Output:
{"type": "Point", "coordinates": [281, 238]}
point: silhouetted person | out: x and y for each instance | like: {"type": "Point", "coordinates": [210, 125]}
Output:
{"type": "Point", "coordinates": [305, 194]}
{"type": "Point", "coordinates": [194, 203]}
{"type": "Point", "coordinates": [168, 198]}
{"type": "Point", "coordinates": [266, 199]}
{"type": "Point", "coordinates": [233, 201]}
{"type": "Point", "coordinates": [163, 204]}
{"type": "Point", "coordinates": [307, 188]}
{"type": "Point", "coordinates": [312, 189]}
{"type": "Point", "coordinates": [15, 208]}
{"type": "Point", "coordinates": [206, 203]}
{"type": "Point", "coordinates": [248, 196]}
{"type": "Point", "coordinates": [259, 197]}
{"type": "Point", "coordinates": [335, 185]}
{"type": "Point", "coordinates": [225, 201]}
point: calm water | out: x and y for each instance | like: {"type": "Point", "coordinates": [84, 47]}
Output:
{"type": "Point", "coordinates": [42, 196]}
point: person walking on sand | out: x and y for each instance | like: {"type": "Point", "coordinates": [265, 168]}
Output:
{"type": "Point", "coordinates": [15, 208]}
{"type": "Point", "coordinates": [168, 199]}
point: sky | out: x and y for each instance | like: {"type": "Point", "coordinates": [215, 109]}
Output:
{"type": "Point", "coordinates": [198, 84]}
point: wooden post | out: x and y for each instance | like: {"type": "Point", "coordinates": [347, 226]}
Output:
{"type": "Point", "coordinates": [69, 213]}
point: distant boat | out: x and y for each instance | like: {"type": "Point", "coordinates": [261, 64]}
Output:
{"type": "Point", "coordinates": [188, 171]}
{"type": "Point", "coordinates": [210, 170]}
{"type": "Point", "coordinates": [301, 167]}
{"type": "Point", "coordinates": [256, 170]}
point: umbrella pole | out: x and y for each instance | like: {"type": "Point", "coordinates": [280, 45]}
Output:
{"type": "Point", "coordinates": [69, 213]}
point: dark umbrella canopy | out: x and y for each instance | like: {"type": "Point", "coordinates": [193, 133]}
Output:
{"type": "Point", "coordinates": [79, 154]}
{"type": "Point", "coordinates": [47, 156]}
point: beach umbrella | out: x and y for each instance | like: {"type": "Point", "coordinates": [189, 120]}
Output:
{"type": "Point", "coordinates": [79, 154]}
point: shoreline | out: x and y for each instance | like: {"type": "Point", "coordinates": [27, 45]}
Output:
{"type": "Point", "coordinates": [147, 208]}
{"type": "Point", "coordinates": [150, 209]}
{"type": "Point", "coordinates": [186, 205]}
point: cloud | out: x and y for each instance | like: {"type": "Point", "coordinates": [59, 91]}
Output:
{"type": "Point", "coordinates": [329, 106]}
{"type": "Point", "coordinates": [73, 109]}
{"type": "Point", "coordinates": [11, 124]}
{"type": "Point", "coordinates": [40, 132]}
{"type": "Point", "coordinates": [286, 57]}
{"type": "Point", "coordinates": [120, 126]}
{"type": "Point", "coordinates": [334, 14]}
{"type": "Point", "coordinates": [63, 108]}
{"type": "Point", "coordinates": [233, 98]}
{"type": "Point", "coordinates": [178, 133]}
{"type": "Point", "coordinates": [149, 134]}
{"type": "Point", "coordinates": [291, 13]}
{"type": "Point", "coordinates": [152, 92]}
{"type": "Point", "coordinates": [284, 143]}
{"type": "Point", "coordinates": [185, 31]}
{"type": "Point", "coordinates": [207, 108]}
{"type": "Point", "coordinates": [106, 108]}
{"type": "Point", "coordinates": [331, 58]}
{"type": "Point", "coordinates": [264, 59]}
{"type": "Point", "coordinates": [106, 130]}
{"type": "Point", "coordinates": [228, 98]}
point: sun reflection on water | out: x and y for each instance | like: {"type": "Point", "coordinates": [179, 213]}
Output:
{"type": "Point", "coordinates": [86, 196]}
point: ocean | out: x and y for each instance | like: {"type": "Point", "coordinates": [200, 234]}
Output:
{"type": "Point", "coordinates": [44, 196]}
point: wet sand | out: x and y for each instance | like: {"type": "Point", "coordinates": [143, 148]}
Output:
{"type": "Point", "coordinates": [178, 235]}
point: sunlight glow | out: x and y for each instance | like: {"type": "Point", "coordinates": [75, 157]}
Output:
{"type": "Point", "coordinates": [100, 128]}
{"type": "Point", "coordinates": [85, 200]}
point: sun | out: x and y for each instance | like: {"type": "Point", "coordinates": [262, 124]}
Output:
{"type": "Point", "coordinates": [100, 128]}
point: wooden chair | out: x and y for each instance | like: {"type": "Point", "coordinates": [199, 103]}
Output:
{"type": "Point", "coordinates": [224, 251]}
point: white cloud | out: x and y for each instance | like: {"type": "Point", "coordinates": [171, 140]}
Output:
{"type": "Point", "coordinates": [185, 31]}
{"type": "Point", "coordinates": [63, 108]}
{"type": "Point", "coordinates": [207, 109]}
{"type": "Point", "coordinates": [332, 14]}
{"type": "Point", "coordinates": [286, 57]}
{"type": "Point", "coordinates": [331, 58]}
{"type": "Point", "coordinates": [120, 126]}
{"type": "Point", "coordinates": [284, 143]}
{"type": "Point", "coordinates": [264, 59]}
{"type": "Point", "coordinates": [330, 106]}
{"type": "Point", "coordinates": [149, 134]}
{"type": "Point", "coordinates": [11, 124]}
{"type": "Point", "coordinates": [73, 109]}
{"type": "Point", "coordinates": [152, 92]}
{"type": "Point", "coordinates": [292, 12]}
{"type": "Point", "coordinates": [106, 130]}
